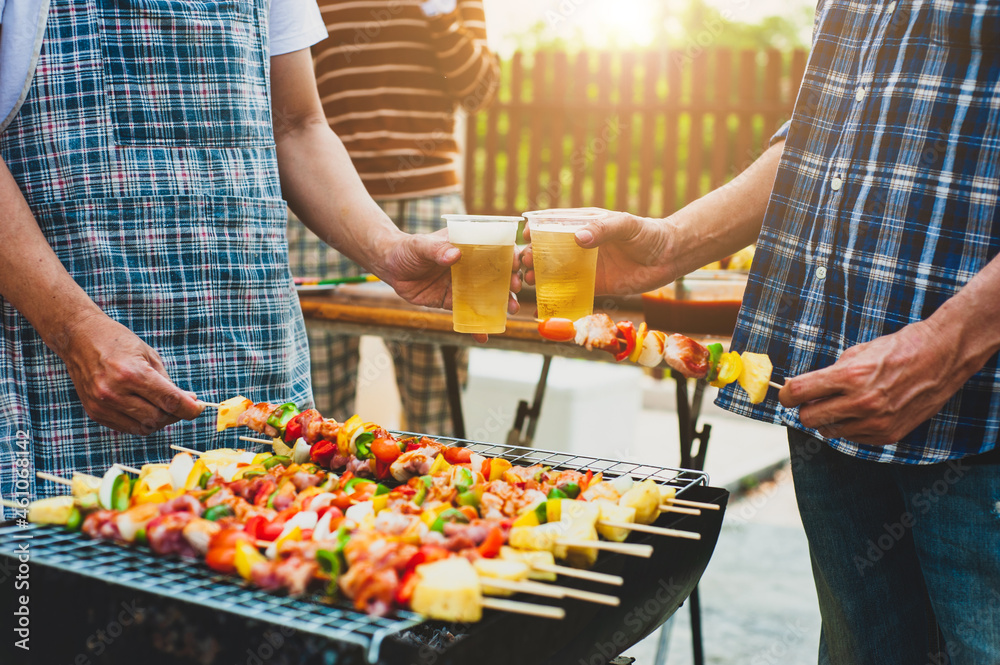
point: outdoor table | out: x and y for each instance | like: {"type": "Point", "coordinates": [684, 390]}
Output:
{"type": "Point", "coordinates": [374, 309]}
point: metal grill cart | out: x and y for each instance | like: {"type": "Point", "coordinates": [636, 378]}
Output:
{"type": "Point", "coordinates": [97, 602]}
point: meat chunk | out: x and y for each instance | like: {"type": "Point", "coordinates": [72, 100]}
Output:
{"type": "Point", "coordinates": [597, 331]}
{"type": "Point", "coordinates": [686, 356]}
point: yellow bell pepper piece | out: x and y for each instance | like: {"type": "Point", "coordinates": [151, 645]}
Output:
{"type": "Point", "coordinates": [246, 557]}
{"type": "Point", "coordinates": [498, 467]}
{"type": "Point", "coordinates": [380, 502]}
{"type": "Point", "coordinates": [346, 433]}
{"type": "Point", "coordinates": [553, 510]}
{"type": "Point", "coordinates": [439, 466]}
{"type": "Point", "coordinates": [640, 335]}
{"type": "Point", "coordinates": [527, 518]}
{"type": "Point", "coordinates": [293, 535]}
{"type": "Point", "coordinates": [730, 367]}
{"type": "Point", "coordinates": [195, 475]}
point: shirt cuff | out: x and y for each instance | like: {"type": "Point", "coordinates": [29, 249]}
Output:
{"type": "Point", "coordinates": [781, 134]}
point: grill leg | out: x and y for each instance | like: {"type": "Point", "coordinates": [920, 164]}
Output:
{"type": "Point", "coordinates": [530, 413]}
{"type": "Point", "coordinates": [448, 355]}
{"type": "Point", "coordinates": [687, 420]}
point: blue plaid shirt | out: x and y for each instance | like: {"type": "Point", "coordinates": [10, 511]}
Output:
{"type": "Point", "coordinates": [885, 204]}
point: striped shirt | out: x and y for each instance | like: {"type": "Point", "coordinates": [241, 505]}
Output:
{"type": "Point", "coordinates": [391, 80]}
{"type": "Point", "coordinates": [884, 206]}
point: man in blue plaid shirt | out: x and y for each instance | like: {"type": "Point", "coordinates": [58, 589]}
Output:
{"type": "Point", "coordinates": [876, 293]}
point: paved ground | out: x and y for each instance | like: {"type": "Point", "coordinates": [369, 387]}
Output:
{"type": "Point", "coordinates": [757, 596]}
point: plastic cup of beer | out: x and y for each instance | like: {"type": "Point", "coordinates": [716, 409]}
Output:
{"type": "Point", "coordinates": [564, 271]}
{"type": "Point", "coordinates": [480, 280]}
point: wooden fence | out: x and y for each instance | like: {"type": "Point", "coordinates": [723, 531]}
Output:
{"type": "Point", "coordinates": [644, 132]}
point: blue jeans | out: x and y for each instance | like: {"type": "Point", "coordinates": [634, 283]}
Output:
{"type": "Point", "coordinates": [906, 558]}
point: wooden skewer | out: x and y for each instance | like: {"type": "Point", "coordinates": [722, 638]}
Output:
{"type": "Point", "coordinates": [55, 479]}
{"type": "Point", "coordinates": [13, 506]}
{"type": "Point", "coordinates": [533, 588]}
{"type": "Point", "coordinates": [253, 440]}
{"type": "Point", "coordinates": [128, 469]}
{"type": "Point", "coordinates": [667, 508]}
{"type": "Point", "coordinates": [775, 384]}
{"type": "Point", "coordinates": [212, 404]}
{"type": "Point", "coordinates": [566, 571]}
{"type": "Point", "coordinates": [628, 549]}
{"type": "Point", "coordinates": [517, 607]}
{"type": "Point", "coordinates": [550, 590]}
{"type": "Point", "coordinates": [694, 504]}
{"type": "Point", "coordinates": [196, 453]}
{"type": "Point", "coordinates": [656, 530]}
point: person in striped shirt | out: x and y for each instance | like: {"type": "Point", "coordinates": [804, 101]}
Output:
{"type": "Point", "coordinates": [392, 76]}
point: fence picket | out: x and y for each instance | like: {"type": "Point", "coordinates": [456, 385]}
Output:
{"type": "Point", "coordinates": [557, 140]}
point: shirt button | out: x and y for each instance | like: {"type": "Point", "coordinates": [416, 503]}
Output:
{"type": "Point", "coordinates": [821, 273]}
{"type": "Point", "coordinates": [836, 183]}
{"type": "Point", "coordinates": [859, 94]}
{"type": "Point", "coordinates": [890, 8]}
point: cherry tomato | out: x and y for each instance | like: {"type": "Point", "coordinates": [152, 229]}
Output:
{"type": "Point", "coordinates": [221, 559]}
{"type": "Point", "coordinates": [457, 455]}
{"type": "Point", "coordinates": [385, 450]}
{"type": "Point", "coordinates": [227, 538]}
{"type": "Point", "coordinates": [557, 330]}
{"type": "Point", "coordinates": [253, 525]}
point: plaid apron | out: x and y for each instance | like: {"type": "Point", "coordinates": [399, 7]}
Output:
{"type": "Point", "coordinates": [145, 151]}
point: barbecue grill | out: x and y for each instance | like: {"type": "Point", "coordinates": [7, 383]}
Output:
{"type": "Point", "coordinates": [98, 602]}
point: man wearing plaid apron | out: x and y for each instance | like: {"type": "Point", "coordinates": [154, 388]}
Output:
{"type": "Point", "coordinates": [143, 258]}
{"type": "Point", "coordinates": [874, 291]}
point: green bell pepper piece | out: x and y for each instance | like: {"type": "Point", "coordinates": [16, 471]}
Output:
{"type": "Point", "coordinates": [272, 462]}
{"type": "Point", "coordinates": [571, 490]}
{"type": "Point", "coordinates": [714, 353]}
{"type": "Point", "coordinates": [354, 482]}
{"type": "Point", "coordinates": [120, 492]}
{"type": "Point", "coordinates": [75, 519]}
{"type": "Point", "coordinates": [556, 493]}
{"type": "Point", "coordinates": [281, 415]}
{"type": "Point", "coordinates": [215, 513]}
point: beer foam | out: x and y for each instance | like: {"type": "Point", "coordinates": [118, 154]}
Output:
{"type": "Point", "coordinates": [465, 232]}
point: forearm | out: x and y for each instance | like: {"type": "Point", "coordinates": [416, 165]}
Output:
{"type": "Point", "coordinates": [471, 71]}
{"type": "Point", "coordinates": [324, 190]}
{"type": "Point", "coordinates": [727, 219]}
{"type": "Point", "coordinates": [32, 278]}
{"type": "Point", "coordinates": [970, 320]}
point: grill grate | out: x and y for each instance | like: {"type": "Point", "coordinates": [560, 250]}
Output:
{"type": "Point", "coordinates": [190, 582]}
{"type": "Point", "coordinates": [679, 479]}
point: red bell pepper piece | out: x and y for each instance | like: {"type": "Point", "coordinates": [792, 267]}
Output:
{"type": "Point", "coordinates": [490, 547]}
{"type": "Point", "coordinates": [221, 559]}
{"type": "Point", "coordinates": [381, 469]}
{"type": "Point", "coordinates": [253, 526]}
{"type": "Point", "coordinates": [293, 430]}
{"type": "Point", "coordinates": [486, 468]}
{"type": "Point", "coordinates": [586, 481]}
{"type": "Point", "coordinates": [405, 589]}
{"type": "Point", "coordinates": [457, 455]}
{"type": "Point", "coordinates": [322, 452]}
{"type": "Point", "coordinates": [627, 331]}
{"type": "Point", "coordinates": [557, 330]}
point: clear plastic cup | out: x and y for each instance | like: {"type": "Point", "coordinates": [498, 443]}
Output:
{"type": "Point", "coordinates": [564, 271]}
{"type": "Point", "coordinates": [480, 281]}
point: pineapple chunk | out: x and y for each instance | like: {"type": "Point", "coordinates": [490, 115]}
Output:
{"type": "Point", "coordinates": [84, 483]}
{"type": "Point", "coordinates": [539, 538]}
{"type": "Point", "coordinates": [448, 590]}
{"type": "Point", "coordinates": [230, 410]}
{"type": "Point", "coordinates": [612, 512]}
{"type": "Point", "coordinates": [584, 512]}
{"type": "Point", "coordinates": [578, 557]}
{"type": "Point", "coordinates": [755, 375]}
{"type": "Point", "coordinates": [54, 510]}
{"type": "Point", "coordinates": [645, 498]}
{"type": "Point", "coordinates": [500, 569]}
{"type": "Point", "coordinates": [531, 559]}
